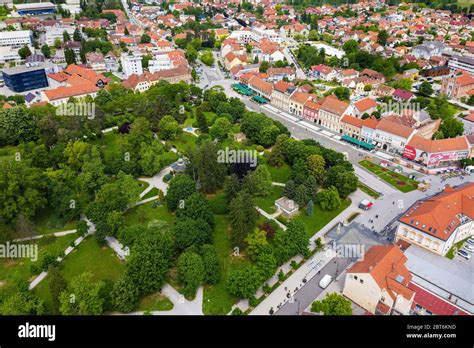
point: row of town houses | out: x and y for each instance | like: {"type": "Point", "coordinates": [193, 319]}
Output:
{"type": "Point", "coordinates": [395, 131]}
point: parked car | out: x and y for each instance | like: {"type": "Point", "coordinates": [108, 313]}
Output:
{"type": "Point", "coordinates": [365, 204]}
{"type": "Point", "coordinates": [325, 281]}
{"type": "Point", "coordinates": [468, 247]}
{"type": "Point", "coordinates": [470, 241]}
{"type": "Point", "coordinates": [464, 254]}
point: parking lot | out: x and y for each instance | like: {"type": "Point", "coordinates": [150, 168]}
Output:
{"type": "Point", "coordinates": [461, 260]}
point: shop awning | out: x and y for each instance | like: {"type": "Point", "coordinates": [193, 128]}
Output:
{"type": "Point", "coordinates": [259, 99]}
{"type": "Point", "coordinates": [357, 142]}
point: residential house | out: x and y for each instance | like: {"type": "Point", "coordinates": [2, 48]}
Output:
{"type": "Point", "coordinates": [331, 112]}
{"type": "Point", "coordinates": [261, 87]}
{"type": "Point", "coordinates": [297, 102]}
{"type": "Point", "coordinates": [281, 94]}
{"type": "Point", "coordinates": [379, 282]}
{"type": "Point", "coordinates": [392, 136]}
{"type": "Point", "coordinates": [365, 106]}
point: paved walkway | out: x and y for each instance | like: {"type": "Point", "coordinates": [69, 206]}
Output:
{"type": "Point", "coordinates": [68, 250]}
{"type": "Point", "coordinates": [307, 270]}
{"type": "Point", "coordinates": [373, 182]}
{"type": "Point", "coordinates": [278, 184]}
{"type": "Point", "coordinates": [271, 216]}
{"type": "Point", "coordinates": [181, 306]}
{"type": "Point", "coordinates": [39, 236]}
{"type": "Point", "coordinates": [156, 181]}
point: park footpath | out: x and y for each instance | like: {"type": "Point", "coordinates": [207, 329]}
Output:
{"type": "Point", "coordinates": [42, 275]}
{"type": "Point", "coordinates": [306, 271]}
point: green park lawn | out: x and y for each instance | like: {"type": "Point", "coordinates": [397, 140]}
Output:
{"type": "Point", "coordinates": [217, 301]}
{"type": "Point", "coordinates": [113, 77]}
{"type": "Point", "coordinates": [465, 3]}
{"type": "Point", "coordinates": [152, 193]}
{"type": "Point", "coordinates": [268, 203]}
{"type": "Point", "coordinates": [280, 174]}
{"type": "Point", "coordinates": [397, 180]}
{"type": "Point", "coordinates": [364, 188]}
{"type": "Point", "coordinates": [108, 143]}
{"type": "Point", "coordinates": [155, 302]}
{"type": "Point", "coordinates": [184, 142]}
{"type": "Point", "coordinates": [320, 218]}
{"type": "Point", "coordinates": [146, 213]}
{"type": "Point", "coordinates": [46, 222]}
{"type": "Point", "coordinates": [20, 269]}
{"type": "Point", "coordinates": [89, 256]}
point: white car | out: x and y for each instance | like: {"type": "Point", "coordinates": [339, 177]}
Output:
{"type": "Point", "coordinates": [468, 247]}
{"type": "Point", "coordinates": [325, 281]}
{"type": "Point", "coordinates": [470, 241]}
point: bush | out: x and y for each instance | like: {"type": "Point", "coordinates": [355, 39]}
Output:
{"type": "Point", "coordinates": [237, 311]}
{"type": "Point", "coordinates": [253, 302]}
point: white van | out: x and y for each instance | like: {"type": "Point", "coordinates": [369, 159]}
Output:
{"type": "Point", "coordinates": [325, 281]}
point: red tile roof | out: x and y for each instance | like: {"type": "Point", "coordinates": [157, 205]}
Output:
{"type": "Point", "coordinates": [334, 106]}
{"type": "Point", "coordinates": [354, 121]}
{"type": "Point", "coordinates": [433, 303]}
{"type": "Point", "coordinates": [365, 104]}
{"type": "Point", "coordinates": [439, 145]}
{"type": "Point", "coordinates": [438, 216]}
{"type": "Point", "coordinates": [386, 265]}
{"type": "Point", "coordinates": [395, 128]}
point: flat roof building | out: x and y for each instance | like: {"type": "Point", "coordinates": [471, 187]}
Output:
{"type": "Point", "coordinates": [35, 8]}
{"type": "Point", "coordinates": [25, 78]}
{"type": "Point", "coordinates": [15, 38]}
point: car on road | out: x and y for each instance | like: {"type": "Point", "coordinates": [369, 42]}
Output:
{"type": "Point", "coordinates": [365, 204]}
{"type": "Point", "coordinates": [325, 281]}
{"type": "Point", "coordinates": [464, 254]}
{"type": "Point", "coordinates": [470, 241]}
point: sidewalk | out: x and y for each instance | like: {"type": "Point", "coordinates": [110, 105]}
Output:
{"type": "Point", "coordinates": [310, 267]}
{"type": "Point", "coordinates": [279, 295]}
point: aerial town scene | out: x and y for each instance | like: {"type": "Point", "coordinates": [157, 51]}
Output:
{"type": "Point", "coordinates": [229, 157]}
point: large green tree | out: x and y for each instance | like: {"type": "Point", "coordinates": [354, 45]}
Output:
{"type": "Point", "coordinates": [243, 217]}
{"type": "Point", "coordinates": [190, 272]}
{"type": "Point", "coordinates": [332, 304]}
{"type": "Point", "coordinates": [83, 297]}
{"type": "Point", "coordinates": [124, 295]}
{"type": "Point", "coordinates": [244, 282]}
{"type": "Point", "coordinates": [180, 188]}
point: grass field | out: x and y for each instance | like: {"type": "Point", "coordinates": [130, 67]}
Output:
{"type": "Point", "coordinates": [372, 193]}
{"type": "Point", "coordinates": [101, 262]}
{"type": "Point", "coordinates": [268, 203]}
{"type": "Point", "coordinates": [145, 213]}
{"type": "Point", "coordinates": [184, 142]}
{"type": "Point", "coordinates": [19, 269]}
{"type": "Point", "coordinates": [398, 181]}
{"type": "Point", "coordinates": [111, 76]}
{"type": "Point", "coordinates": [320, 218]}
{"type": "Point", "coordinates": [152, 193]}
{"type": "Point", "coordinates": [280, 174]}
{"type": "Point", "coordinates": [465, 3]}
{"type": "Point", "coordinates": [155, 302]}
{"type": "Point", "coordinates": [216, 298]}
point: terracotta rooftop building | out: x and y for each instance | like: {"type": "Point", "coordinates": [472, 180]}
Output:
{"type": "Point", "coordinates": [379, 282]}
{"type": "Point", "coordinates": [438, 222]}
